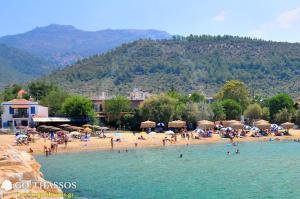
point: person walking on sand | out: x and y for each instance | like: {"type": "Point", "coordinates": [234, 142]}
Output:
{"type": "Point", "coordinates": [66, 140]}
{"type": "Point", "coordinates": [112, 142]}
{"type": "Point", "coordinates": [164, 142]}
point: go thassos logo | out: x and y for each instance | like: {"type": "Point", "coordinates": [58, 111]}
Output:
{"type": "Point", "coordinates": [23, 185]}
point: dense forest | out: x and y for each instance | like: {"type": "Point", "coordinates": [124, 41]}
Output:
{"type": "Point", "coordinates": [186, 64]}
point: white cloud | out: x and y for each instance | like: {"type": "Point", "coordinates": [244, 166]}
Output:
{"type": "Point", "coordinates": [287, 18]}
{"type": "Point", "coordinates": [220, 17]}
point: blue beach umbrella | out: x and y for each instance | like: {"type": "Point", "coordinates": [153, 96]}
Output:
{"type": "Point", "coordinates": [160, 124]}
{"type": "Point", "coordinates": [21, 136]}
{"type": "Point", "coordinates": [246, 127]}
{"type": "Point", "coordinates": [254, 129]}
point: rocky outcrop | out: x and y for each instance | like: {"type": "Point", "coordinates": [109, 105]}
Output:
{"type": "Point", "coordinates": [20, 176]}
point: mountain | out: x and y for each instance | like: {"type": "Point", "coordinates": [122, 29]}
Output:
{"type": "Point", "coordinates": [17, 66]}
{"type": "Point", "coordinates": [187, 64]}
{"type": "Point", "coordinates": [64, 44]}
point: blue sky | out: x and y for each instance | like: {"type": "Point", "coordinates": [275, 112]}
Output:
{"type": "Point", "coordinates": [267, 19]}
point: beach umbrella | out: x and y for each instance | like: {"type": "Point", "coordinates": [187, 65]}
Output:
{"type": "Point", "coordinates": [237, 125]}
{"type": "Point", "coordinates": [280, 128]}
{"type": "Point", "coordinates": [246, 127]}
{"type": "Point", "coordinates": [177, 124]}
{"type": "Point", "coordinates": [198, 130]}
{"type": "Point", "coordinates": [21, 136]}
{"type": "Point", "coordinates": [104, 128]}
{"type": "Point", "coordinates": [87, 130]}
{"type": "Point", "coordinates": [74, 133]}
{"type": "Point", "coordinates": [263, 125]}
{"type": "Point", "coordinates": [219, 125]}
{"type": "Point", "coordinates": [55, 129]}
{"type": "Point", "coordinates": [96, 127]}
{"type": "Point", "coordinates": [169, 132]}
{"type": "Point", "coordinates": [152, 133]}
{"type": "Point", "coordinates": [87, 126]}
{"type": "Point", "coordinates": [160, 124]}
{"type": "Point", "coordinates": [205, 124]}
{"type": "Point", "coordinates": [274, 126]}
{"type": "Point", "coordinates": [65, 125]}
{"type": "Point", "coordinates": [229, 128]}
{"type": "Point", "coordinates": [254, 129]}
{"type": "Point", "coordinates": [148, 124]}
{"type": "Point", "coordinates": [287, 125]}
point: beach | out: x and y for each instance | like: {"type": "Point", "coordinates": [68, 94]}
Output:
{"type": "Point", "coordinates": [128, 141]}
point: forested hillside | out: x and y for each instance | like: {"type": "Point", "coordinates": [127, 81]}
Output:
{"type": "Point", "coordinates": [187, 64]}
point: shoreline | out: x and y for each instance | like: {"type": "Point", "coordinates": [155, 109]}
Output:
{"type": "Point", "coordinates": [128, 143]}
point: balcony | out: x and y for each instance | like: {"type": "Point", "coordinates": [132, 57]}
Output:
{"type": "Point", "coordinates": [20, 115]}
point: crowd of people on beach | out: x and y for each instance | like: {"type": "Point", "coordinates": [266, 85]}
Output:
{"type": "Point", "coordinates": [60, 137]}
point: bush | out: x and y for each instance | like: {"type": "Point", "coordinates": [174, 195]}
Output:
{"type": "Point", "coordinates": [282, 116]}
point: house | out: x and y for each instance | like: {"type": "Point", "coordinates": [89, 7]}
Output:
{"type": "Point", "coordinates": [20, 112]}
{"type": "Point", "coordinates": [136, 97]}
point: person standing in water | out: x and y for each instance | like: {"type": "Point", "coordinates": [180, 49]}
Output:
{"type": "Point", "coordinates": [237, 151]}
{"type": "Point", "coordinates": [180, 155]}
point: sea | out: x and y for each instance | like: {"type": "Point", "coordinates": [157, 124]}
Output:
{"type": "Point", "coordinates": [261, 170]}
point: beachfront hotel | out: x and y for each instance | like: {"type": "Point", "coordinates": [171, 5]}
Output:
{"type": "Point", "coordinates": [20, 112]}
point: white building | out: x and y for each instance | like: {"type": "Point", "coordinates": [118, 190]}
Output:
{"type": "Point", "coordinates": [20, 112]}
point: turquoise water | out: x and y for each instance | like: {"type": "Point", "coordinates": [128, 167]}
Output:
{"type": "Point", "coordinates": [261, 170]}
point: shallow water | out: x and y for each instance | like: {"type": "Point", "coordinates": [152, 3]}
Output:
{"type": "Point", "coordinates": [261, 170]}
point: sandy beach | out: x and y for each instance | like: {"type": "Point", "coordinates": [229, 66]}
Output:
{"type": "Point", "coordinates": [128, 142]}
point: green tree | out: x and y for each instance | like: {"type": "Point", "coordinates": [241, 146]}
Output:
{"type": "Point", "coordinates": [218, 110]}
{"type": "Point", "coordinates": [54, 101]}
{"type": "Point", "coordinates": [78, 107]}
{"type": "Point", "coordinates": [235, 90]}
{"type": "Point", "coordinates": [282, 116]}
{"type": "Point", "coordinates": [11, 92]}
{"type": "Point", "coordinates": [232, 109]}
{"type": "Point", "coordinates": [114, 107]}
{"type": "Point", "coordinates": [40, 89]}
{"type": "Point", "coordinates": [160, 108]}
{"type": "Point", "coordinates": [253, 111]}
{"type": "Point", "coordinates": [265, 113]}
{"type": "Point", "coordinates": [197, 97]}
{"type": "Point", "coordinates": [279, 102]}
{"type": "Point", "coordinates": [297, 117]}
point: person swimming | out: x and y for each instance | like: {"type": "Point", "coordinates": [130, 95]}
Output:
{"type": "Point", "coordinates": [237, 151]}
{"type": "Point", "coordinates": [228, 152]}
{"type": "Point", "coordinates": [180, 155]}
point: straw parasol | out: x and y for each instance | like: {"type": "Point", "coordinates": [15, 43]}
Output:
{"type": "Point", "coordinates": [104, 128]}
{"type": "Point", "coordinates": [177, 124]}
{"type": "Point", "coordinates": [65, 125]}
{"type": "Point", "coordinates": [87, 126]}
{"type": "Point", "coordinates": [263, 125]}
{"type": "Point", "coordinates": [87, 130]}
{"type": "Point", "coordinates": [148, 124]}
{"type": "Point", "coordinates": [237, 125]}
{"type": "Point", "coordinates": [227, 123]}
{"type": "Point", "coordinates": [205, 124]}
{"type": "Point", "coordinates": [55, 129]}
{"type": "Point", "coordinates": [287, 125]}
{"type": "Point", "coordinates": [96, 127]}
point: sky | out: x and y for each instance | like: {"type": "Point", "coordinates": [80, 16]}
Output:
{"type": "Point", "coordinates": [277, 20]}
